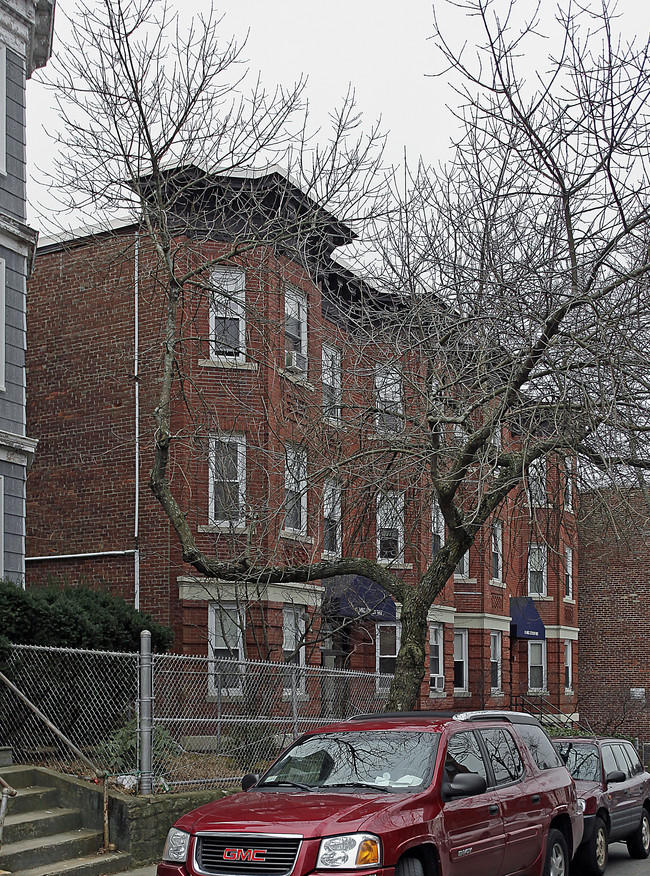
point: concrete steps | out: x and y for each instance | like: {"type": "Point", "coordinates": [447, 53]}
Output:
{"type": "Point", "coordinates": [45, 837]}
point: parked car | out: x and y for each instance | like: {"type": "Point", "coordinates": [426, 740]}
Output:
{"type": "Point", "coordinates": [405, 794]}
{"type": "Point", "coordinates": [615, 789]}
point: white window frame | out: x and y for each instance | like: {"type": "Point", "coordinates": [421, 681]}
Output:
{"type": "Point", "coordinates": [461, 655]}
{"type": "Point", "coordinates": [568, 485]}
{"type": "Point", "coordinates": [437, 527]}
{"type": "Point", "coordinates": [462, 566]}
{"type": "Point", "coordinates": [389, 418]}
{"type": "Point", "coordinates": [332, 512]}
{"type": "Point", "coordinates": [295, 481]}
{"type": "Point", "coordinates": [215, 627]}
{"type": "Point", "coordinates": [568, 573]}
{"type": "Point", "coordinates": [537, 483]}
{"type": "Point", "coordinates": [496, 658]}
{"type": "Point", "coordinates": [240, 442]}
{"type": "Point", "coordinates": [295, 345]}
{"type": "Point", "coordinates": [3, 109]}
{"type": "Point", "coordinates": [568, 665]}
{"type": "Point", "coordinates": [294, 627]}
{"type": "Point", "coordinates": [228, 304]}
{"type": "Point", "coordinates": [382, 683]}
{"type": "Point", "coordinates": [496, 550]}
{"type": "Point", "coordinates": [331, 378]}
{"type": "Point", "coordinates": [539, 551]}
{"type": "Point", "coordinates": [436, 663]}
{"type": "Point", "coordinates": [532, 645]}
{"type": "Point", "coordinates": [390, 515]}
{"type": "Point", "coordinates": [496, 439]}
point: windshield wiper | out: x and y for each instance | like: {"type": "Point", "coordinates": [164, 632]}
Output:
{"type": "Point", "coordinates": [285, 784]}
{"type": "Point", "coordinates": [361, 785]}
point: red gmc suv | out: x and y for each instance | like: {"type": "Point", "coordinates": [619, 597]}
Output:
{"type": "Point", "coordinates": [405, 794]}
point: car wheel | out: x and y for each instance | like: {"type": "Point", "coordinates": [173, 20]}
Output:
{"type": "Point", "coordinates": [638, 843]}
{"type": "Point", "coordinates": [409, 866]}
{"type": "Point", "coordinates": [592, 857]}
{"type": "Point", "coordinates": [557, 854]}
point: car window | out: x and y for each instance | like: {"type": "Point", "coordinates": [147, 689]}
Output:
{"type": "Point", "coordinates": [634, 757]}
{"type": "Point", "coordinates": [609, 763]}
{"type": "Point", "coordinates": [540, 746]}
{"type": "Point", "coordinates": [582, 760]}
{"type": "Point", "coordinates": [623, 760]}
{"type": "Point", "coordinates": [464, 756]}
{"type": "Point", "coordinates": [503, 755]}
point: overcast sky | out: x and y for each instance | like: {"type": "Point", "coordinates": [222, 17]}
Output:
{"type": "Point", "coordinates": [382, 47]}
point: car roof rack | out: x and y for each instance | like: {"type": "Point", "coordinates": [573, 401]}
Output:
{"type": "Point", "coordinates": [423, 713]}
{"type": "Point", "coordinates": [489, 714]}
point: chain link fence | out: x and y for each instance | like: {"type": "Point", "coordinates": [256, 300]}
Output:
{"type": "Point", "coordinates": [213, 720]}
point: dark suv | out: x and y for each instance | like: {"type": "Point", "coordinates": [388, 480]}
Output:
{"type": "Point", "coordinates": [406, 794]}
{"type": "Point", "coordinates": [615, 788]}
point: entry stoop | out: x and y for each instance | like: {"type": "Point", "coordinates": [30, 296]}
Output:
{"type": "Point", "coordinates": [45, 837]}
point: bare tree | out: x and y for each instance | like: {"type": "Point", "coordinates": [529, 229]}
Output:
{"type": "Point", "coordinates": [507, 317]}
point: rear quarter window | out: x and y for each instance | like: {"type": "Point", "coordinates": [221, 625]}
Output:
{"type": "Point", "coordinates": [540, 746]}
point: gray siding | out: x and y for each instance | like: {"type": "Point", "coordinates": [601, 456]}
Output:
{"type": "Point", "coordinates": [13, 185]}
{"type": "Point", "coordinates": [12, 413]}
{"type": "Point", "coordinates": [14, 515]}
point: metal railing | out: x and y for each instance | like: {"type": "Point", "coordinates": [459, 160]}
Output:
{"type": "Point", "coordinates": [100, 774]}
{"type": "Point", "coordinates": [551, 716]}
{"type": "Point", "coordinates": [7, 792]}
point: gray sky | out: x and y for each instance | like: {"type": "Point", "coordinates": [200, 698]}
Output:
{"type": "Point", "coordinates": [382, 47]}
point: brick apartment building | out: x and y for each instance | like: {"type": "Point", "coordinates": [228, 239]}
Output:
{"type": "Point", "coordinates": [264, 359]}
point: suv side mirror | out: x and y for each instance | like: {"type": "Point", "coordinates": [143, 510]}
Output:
{"type": "Point", "coordinates": [249, 780]}
{"type": "Point", "coordinates": [615, 776]}
{"type": "Point", "coordinates": [464, 785]}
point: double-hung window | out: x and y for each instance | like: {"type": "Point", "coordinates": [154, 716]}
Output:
{"type": "Point", "coordinates": [460, 661]}
{"type": "Point", "coordinates": [227, 320]}
{"type": "Point", "coordinates": [437, 528]}
{"type": "Point", "coordinates": [388, 643]}
{"type": "Point", "coordinates": [227, 480]}
{"type": "Point", "coordinates": [331, 382]}
{"type": "Point", "coordinates": [497, 550]}
{"type": "Point", "coordinates": [388, 399]}
{"type": "Point", "coordinates": [226, 649]}
{"type": "Point", "coordinates": [295, 490]}
{"type": "Point", "coordinates": [568, 485]}
{"type": "Point", "coordinates": [495, 661]}
{"type": "Point", "coordinates": [390, 526]}
{"type": "Point", "coordinates": [436, 657]}
{"type": "Point", "coordinates": [568, 573]}
{"type": "Point", "coordinates": [537, 570]}
{"type": "Point", "coordinates": [295, 331]}
{"type": "Point", "coordinates": [462, 566]}
{"type": "Point", "coordinates": [293, 647]}
{"type": "Point", "coordinates": [537, 483]}
{"type": "Point", "coordinates": [537, 665]}
{"type": "Point", "coordinates": [332, 518]}
{"type": "Point", "coordinates": [568, 664]}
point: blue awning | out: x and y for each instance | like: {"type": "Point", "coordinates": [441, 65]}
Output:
{"type": "Point", "coordinates": [525, 622]}
{"type": "Point", "coordinates": [348, 596]}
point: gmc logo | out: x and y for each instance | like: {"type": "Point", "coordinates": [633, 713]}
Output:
{"type": "Point", "coordinates": [257, 856]}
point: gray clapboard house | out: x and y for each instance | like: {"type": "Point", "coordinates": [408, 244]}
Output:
{"type": "Point", "coordinates": [25, 45]}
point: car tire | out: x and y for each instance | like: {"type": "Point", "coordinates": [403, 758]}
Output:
{"type": "Point", "coordinates": [557, 854]}
{"type": "Point", "coordinates": [638, 843]}
{"type": "Point", "coordinates": [593, 855]}
{"type": "Point", "coordinates": [409, 866]}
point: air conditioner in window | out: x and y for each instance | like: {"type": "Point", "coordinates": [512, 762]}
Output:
{"type": "Point", "coordinates": [294, 361]}
{"type": "Point", "coordinates": [438, 682]}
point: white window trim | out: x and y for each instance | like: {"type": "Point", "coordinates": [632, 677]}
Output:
{"type": "Point", "coordinates": [330, 354]}
{"type": "Point", "coordinates": [496, 637]}
{"type": "Point", "coordinates": [542, 644]}
{"type": "Point", "coordinates": [394, 499]}
{"type": "Point", "coordinates": [568, 485]}
{"type": "Point", "coordinates": [292, 294]}
{"type": "Point", "coordinates": [537, 477]}
{"type": "Point", "coordinates": [292, 453]}
{"type": "Point", "coordinates": [3, 109]}
{"type": "Point", "coordinates": [437, 679]}
{"type": "Point", "coordinates": [437, 524]}
{"type": "Point", "coordinates": [568, 573]}
{"type": "Point", "coordinates": [398, 641]}
{"type": "Point", "coordinates": [332, 503]}
{"type": "Point", "coordinates": [295, 614]}
{"type": "Point", "coordinates": [240, 441]}
{"type": "Point", "coordinates": [544, 555]}
{"type": "Point", "coordinates": [388, 397]}
{"type": "Point", "coordinates": [568, 662]}
{"type": "Point", "coordinates": [497, 528]}
{"type": "Point", "coordinates": [213, 689]}
{"type": "Point", "coordinates": [464, 636]}
{"type": "Point", "coordinates": [232, 304]}
{"type": "Point", "coordinates": [463, 576]}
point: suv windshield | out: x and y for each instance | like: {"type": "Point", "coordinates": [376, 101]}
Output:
{"type": "Point", "coordinates": [582, 760]}
{"type": "Point", "coordinates": [391, 760]}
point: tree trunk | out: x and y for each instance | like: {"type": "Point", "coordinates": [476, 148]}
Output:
{"type": "Point", "coordinates": [410, 663]}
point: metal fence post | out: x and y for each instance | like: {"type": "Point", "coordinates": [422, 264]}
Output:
{"type": "Point", "coordinates": [294, 700]}
{"type": "Point", "coordinates": [145, 707]}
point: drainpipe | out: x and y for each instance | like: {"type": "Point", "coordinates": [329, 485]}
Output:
{"type": "Point", "coordinates": [136, 379]}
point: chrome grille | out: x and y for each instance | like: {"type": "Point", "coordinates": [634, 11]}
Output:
{"type": "Point", "coordinates": [246, 855]}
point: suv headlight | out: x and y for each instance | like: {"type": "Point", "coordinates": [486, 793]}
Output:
{"type": "Point", "coordinates": [349, 850]}
{"type": "Point", "coordinates": [176, 846]}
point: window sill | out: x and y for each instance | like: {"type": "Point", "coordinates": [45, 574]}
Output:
{"type": "Point", "coordinates": [296, 536]}
{"type": "Point", "coordinates": [328, 555]}
{"type": "Point", "coordinates": [438, 695]}
{"type": "Point", "coordinates": [496, 693]}
{"type": "Point", "coordinates": [494, 582]}
{"type": "Point", "coordinates": [298, 379]}
{"type": "Point", "coordinates": [569, 692]}
{"type": "Point", "coordinates": [334, 422]}
{"type": "Point", "coordinates": [463, 579]}
{"type": "Point", "coordinates": [233, 364]}
{"type": "Point", "coordinates": [537, 693]}
{"type": "Point", "coordinates": [569, 600]}
{"type": "Point", "coordinates": [225, 528]}
{"type": "Point", "coordinates": [394, 564]}
{"type": "Point", "coordinates": [540, 597]}
{"type": "Point", "coordinates": [462, 693]}
{"type": "Point", "coordinates": [235, 697]}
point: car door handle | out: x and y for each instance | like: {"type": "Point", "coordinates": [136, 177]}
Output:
{"type": "Point", "coordinates": [493, 809]}
{"type": "Point", "coordinates": [535, 798]}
